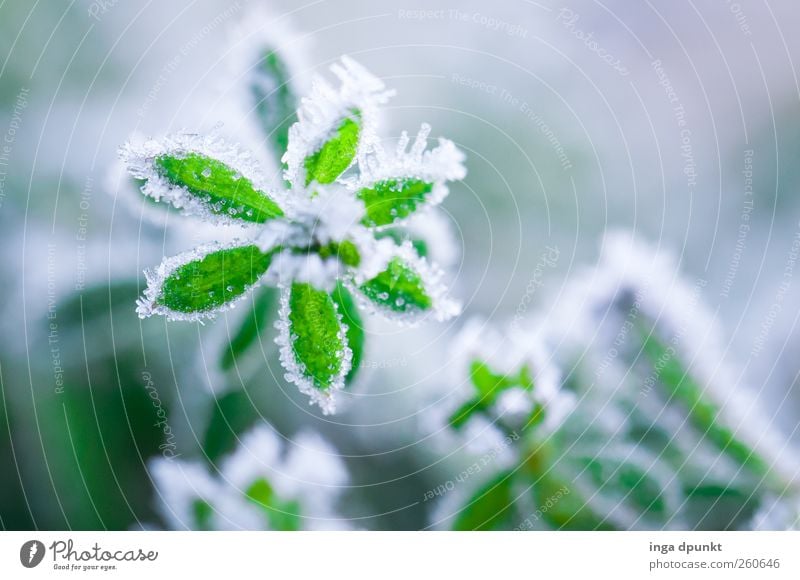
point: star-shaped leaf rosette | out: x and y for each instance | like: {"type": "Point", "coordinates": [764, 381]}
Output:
{"type": "Point", "coordinates": [322, 241]}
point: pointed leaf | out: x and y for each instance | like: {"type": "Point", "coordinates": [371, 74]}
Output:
{"type": "Point", "coordinates": [313, 341]}
{"type": "Point", "coordinates": [276, 103]}
{"type": "Point", "coordinates": [203, 282]}
{"type": "Point", "coordinates": [334, 124]}
{"type": "Point", "coordinates": [395, 185]}
{"type": "Point", "coordinates": [337, 153]}
{"type": "Point", "coordinates": [355, 327]}
{"type": "Point", "coordinates": [393, 200]}
{"type": "Point", "coordinates": [220, 188]}
{"type": "Point", "coordinates": [409, 286]}
{"type": "Point", "coordinates": [203, 177]}
{"type": "Point", "coordinates": [399, 288]}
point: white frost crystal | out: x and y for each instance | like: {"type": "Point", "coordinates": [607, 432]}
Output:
{"type": "Point", "coordinates": [443, 163]}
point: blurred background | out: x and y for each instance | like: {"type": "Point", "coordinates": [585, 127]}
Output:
{"type": "Point", "coordinates": [679, 121]}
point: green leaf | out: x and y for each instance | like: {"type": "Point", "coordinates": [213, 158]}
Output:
{"type": "Point", "coordinates": [220, 189]}
{"type": "Point", "coordinates": [355, 327]}
{"type": "Point", "coordinates": [276, 103]}
{"type": "Point", "coordinates": [202, 513]}
{"type": "Point", "coordinates": [337, 153]}
{"type": "Point", "coordinates": [562, 507]}
{"type": "Point", "coordinates": [703, 412]}
{"type": "Point", "coordinates": [233, 414]}
{"type": "Point", "coordinates": [315, 336]}
{"type": "Point", "coordinates": [283, 516]}
{"type": "Point", "coordinates": [392, 200]}
{"type": "Point", "coordinates": [398, 288]}
{"type": "Point", "coordinates": [490, 508]}
{"type": "Point", "coordinates": [627, 481]}
{"type": "Point", "coordinates": [346, 251]}
{"type": "Point", "coordinates": [214, 280]}
{"type": "Point", "coordinates": [465, 412]}
{"type": "Point", "coordinates": [720, 506]}
{"type": "Point", "coordinates": [490, 384]}
{"type": "Point", "coordinates": [254, 322]}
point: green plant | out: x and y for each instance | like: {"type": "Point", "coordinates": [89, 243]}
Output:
{"type": "Point", "coordinates": [323, 240]}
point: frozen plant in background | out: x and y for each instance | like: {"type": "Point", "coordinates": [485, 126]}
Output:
{"type": "Point", "coordinates": [658, 434]}
{"type": "Point", "coordinates": [634, 315]}
{"type": "Point", "coordinates": [506, 382]}
{"type": "Point", "coordinates": [322, 241]}
{"type": "Point", "coordinates": [262, 485]}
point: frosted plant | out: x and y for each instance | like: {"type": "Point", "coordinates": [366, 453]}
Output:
{"type": "Point", "coordinates": [636, 305]}
{"type": "Point", "coordinates": [259, 486]}
{"type": "Point", "coordinates": [321, 240]}
{"type": "Point", "coordinates": [506, 382]}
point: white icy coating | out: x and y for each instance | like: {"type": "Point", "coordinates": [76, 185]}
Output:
{"type": "Point", "coordinates": [146, 305]}
{"type": "Point", "coordinates": [632, 269]}
{"type": "Point", "coordinates": [321, 113]}
{"type": "Point", "coordinates": [305, 469]}
{"type": "Point", "coordinates": [436, 231]}
{"type": "Point", "coordinates": [505, 353]}
{"type": "Point", "coordinates": [180, 483]}
{"type": "Point", "coordinates": [288, 267]}
{"type": "Point", "coordinates": [295, 370]}
{"type": "Point", "coordinates": [330, 215]}
{"type": "Point", "coordinates": [139, 159]}
{"type": "Point", "coordinates": [443, 163]}
{"type": "Point", "coordinates": [776, 514]}
{"type": "Point", "coordinates": [431, 275]}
